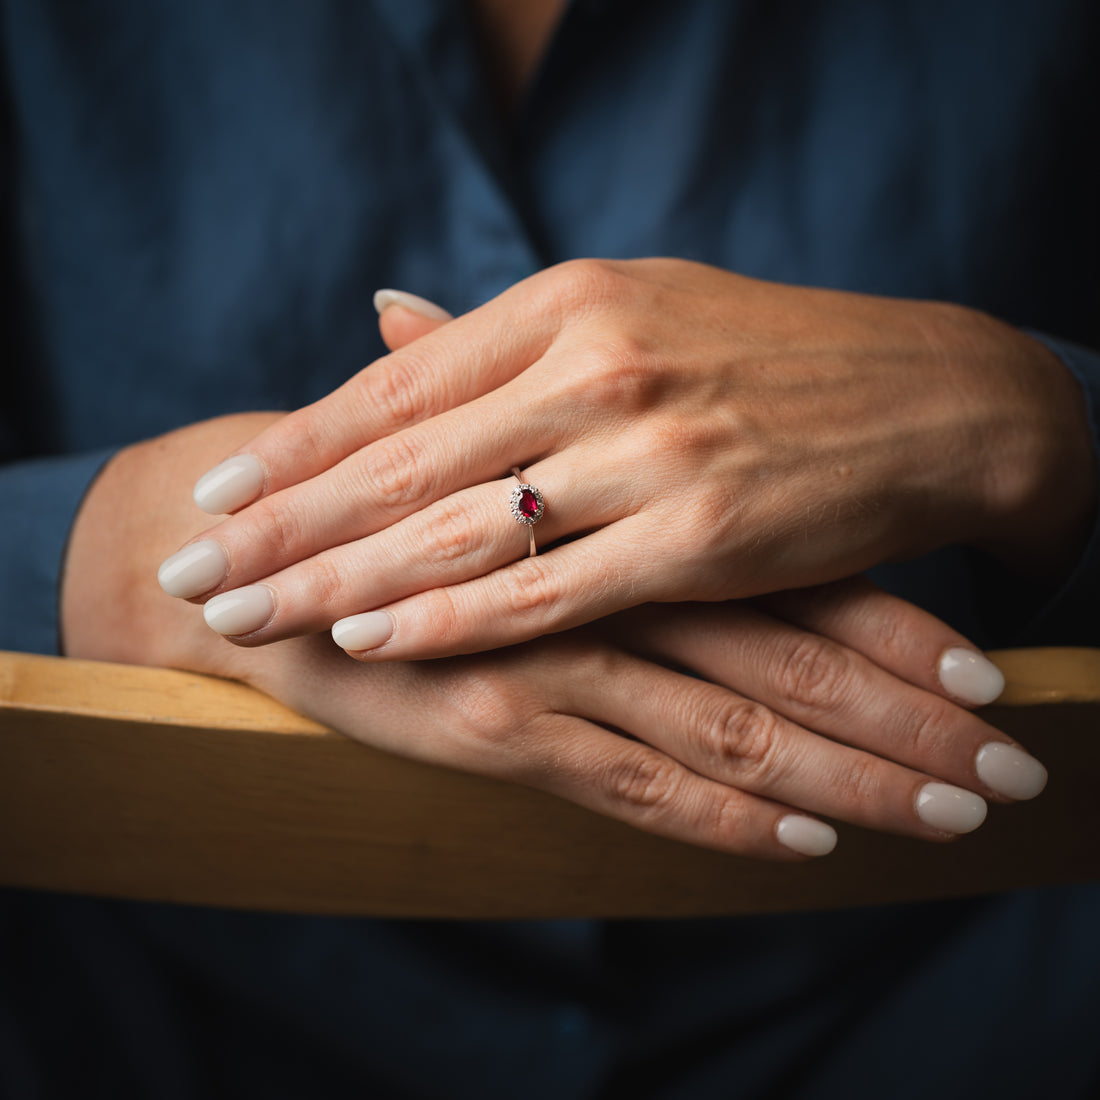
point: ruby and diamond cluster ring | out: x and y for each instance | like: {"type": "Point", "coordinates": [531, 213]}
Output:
{"type": "Point", "coordinates": [527, 505]}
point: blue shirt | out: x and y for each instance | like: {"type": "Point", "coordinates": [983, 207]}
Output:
{"type": "Point", "coordinates": [201, 199]}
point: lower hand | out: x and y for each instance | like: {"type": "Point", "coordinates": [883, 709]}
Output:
{"type": "Point", "coordinates": [724, 725]}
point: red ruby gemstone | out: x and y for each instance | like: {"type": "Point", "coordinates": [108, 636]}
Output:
{"type": "Point", "coordinates": [528, 504]}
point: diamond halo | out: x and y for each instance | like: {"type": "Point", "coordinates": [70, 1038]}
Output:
{"type": "Point", "coordinates": [527, 504]}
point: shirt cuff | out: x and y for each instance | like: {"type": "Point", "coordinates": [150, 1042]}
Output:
{"type": "Point", "coordinates": [1071, 616]}
{"type": "Point", "coordinates": [39, 499]}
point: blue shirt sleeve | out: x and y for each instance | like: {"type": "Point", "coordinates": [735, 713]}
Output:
{"type": "Point", "coordinates": [38, 501]}
{"type": "Point", "coordinates": [1072, 615]}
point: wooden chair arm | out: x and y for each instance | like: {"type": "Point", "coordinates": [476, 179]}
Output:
{"type": "Point", "coordinates": [146, 783]}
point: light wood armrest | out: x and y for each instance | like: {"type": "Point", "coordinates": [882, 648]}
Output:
{"type": "Point", "coordinates": [146, 783]}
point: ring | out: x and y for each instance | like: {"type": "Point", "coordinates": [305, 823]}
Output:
{"type": "Point", "coordinates": [527, 506]}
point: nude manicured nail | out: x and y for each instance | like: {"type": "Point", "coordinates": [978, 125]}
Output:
{"type": "Point", "coordinates": [806, 835]}
{"type": "Point", "coordinates": [357, 633]}
{"type": "Point", "coordinates": [241, 611]}
{"type": "Point", "coordinates": [950, 809]}
{"type": "Point", "coordinates": [230, 485]}
{"type": "Point", "coordinates": [193, 570]}
{"type": "Point", "coordinates": [1009, 770]}
{"type": "Point", "coordinates": [383, 299]}
{"type": "Point", "coordinates": [968, 675]}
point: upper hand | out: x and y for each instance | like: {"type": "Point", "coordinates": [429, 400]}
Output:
{"type": "Point", "coordinates": [696, 436]}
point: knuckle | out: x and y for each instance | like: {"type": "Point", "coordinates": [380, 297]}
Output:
{"type": "Point", "coordinates": [392, 472]}
{"type": "Point", "coordinates": [710, 523]}
{"type": "Point", "coordinates": [615, 370]}
{"type": "Point", "coordinates": [891, 637]}
{"type": "Point", "coordinates": [919, 735]}
{"type": "Point", "coordinates": [531, 589]}
{"type": "Point", "coordinates": [500, 727]}
{"type": "Point", "coordinates": [586, 659]}
{"type": "Point", "coordinates": [393, 392]}
{"type": "Point", "coordinates": [611, 365]}
{"type": "Point", "coordinates": [487, 710]}
{"type": "Point", "coordinates": [669, 435]}
{"type": "Point", "coordinates": [727, 822]}
{"type": "Point", "coordinates": [446, 617]}
{"type": "Point", "coordinates": [447, 534]}
{"type": "Point", "coordinates": [582, 285]}
{"type": "Point", "coordinates": [742, 737]}
{"type": "Point", "coordinates": [641, 781]}
{"type": "Point", "coordinates": [862, 787]}
{"type": "Point", "coordinates": [280, 529]}
{"type": "Point", "coordinates": [303, 437]}
{"type": "Point", "coordinates": [327, 585]}
{"type": "Point", "coordinates": [815, 672]}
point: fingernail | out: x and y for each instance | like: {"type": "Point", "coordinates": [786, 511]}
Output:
{"type": "Point", "coordinates": [230, 485]}
{"type": "Point", "coordinates": [357, 633]}
{"type": "Point", "coordinates": [968, 675]}
{"type": "Point", "coordinates": [383, 299]}
{"type": "Point", "coordinates": [193, 570]}
{"type": "Point", "coordinates": [241, 611]}
{"type": "Point", "coordinates": [950, 809]}
{"type": "Point", "coordinates": [806, 835]}
{"type": "Point", "coordinates": [1009, 770]}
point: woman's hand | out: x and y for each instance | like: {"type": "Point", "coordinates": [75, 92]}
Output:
{"type": "Point", "coordinates": [723, 725]}
{"type": "Point", "coordinates": [726, 725]}
{"type": "Point", "coordinates": [696, 436]}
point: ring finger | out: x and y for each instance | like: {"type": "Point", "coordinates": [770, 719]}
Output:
{"type": "Point", "coordinates": [463, 536]}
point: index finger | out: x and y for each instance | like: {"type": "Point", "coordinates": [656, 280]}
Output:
{"type": "Point", "coordinates": [462, 360]}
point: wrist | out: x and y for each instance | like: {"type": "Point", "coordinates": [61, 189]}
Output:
{"type": "Point", "coordinates": [138, 509]}
{"type": "Point", "coordinates": [1034, 474]}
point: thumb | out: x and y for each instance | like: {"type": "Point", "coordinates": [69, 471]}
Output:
{"type": "Point", "coordinates": [403, 317]}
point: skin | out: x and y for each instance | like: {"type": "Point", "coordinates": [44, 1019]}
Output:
{"type": "Point", "coordinates": [828, 704]}
{"type": "Point", "coordinates": [697, 436]}
{"type": "Point", "coordinates": [513, 38]}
